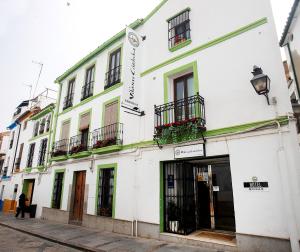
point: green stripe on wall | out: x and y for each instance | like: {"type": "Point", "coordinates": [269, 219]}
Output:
{"type": "Point", "coordinates": [207, 45]}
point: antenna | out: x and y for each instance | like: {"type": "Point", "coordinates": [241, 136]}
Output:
{"type": "Point", "coordinates": [38, 79]}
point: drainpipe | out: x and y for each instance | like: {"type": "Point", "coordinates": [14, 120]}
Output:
{"type": "Point", "coordinates": [294, 69]}
{"type": "Point", "coordinates": [288, 201]}
{"type": "Point", "coordinates": [12, 169]}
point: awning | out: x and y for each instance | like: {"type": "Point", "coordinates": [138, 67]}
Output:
{"type": "Point", "coordinates": [13, 125]}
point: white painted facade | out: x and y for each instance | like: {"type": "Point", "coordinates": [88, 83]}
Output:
{"type": "Point", "coordinates": [228, 39]}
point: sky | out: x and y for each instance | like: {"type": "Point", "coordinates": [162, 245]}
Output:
{"type": "Point", "coordinates": [58, 33]}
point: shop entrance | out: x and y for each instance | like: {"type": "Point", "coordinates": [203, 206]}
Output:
{"type": "Point", "coordinates": [198, 196]}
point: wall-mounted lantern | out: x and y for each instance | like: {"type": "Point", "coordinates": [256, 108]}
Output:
{"type": "Point", "coordinates": [261, 82]}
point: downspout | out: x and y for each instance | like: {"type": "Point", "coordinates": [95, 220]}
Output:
{"type": "Point", "coordinates": [12, 169]}
{"type": "Point", "coordinates": [294, 69]}
{"type": "Point", "coordinates": [288, 202]}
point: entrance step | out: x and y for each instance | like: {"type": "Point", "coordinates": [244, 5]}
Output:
{"type": "Point", "coordinates": [219, 241]}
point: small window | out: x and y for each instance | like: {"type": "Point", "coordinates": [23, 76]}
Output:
{"type": "Point", "coordinates": [30, 155]}
{"type": "Point", "coordinates": [12, 140]}
{"type": "Point", "coordinates": [48, 123]}
{"type": "Point", "coordinates": [113, 76]}
{"type": "Point", "coordinates": [179, 29]}
{"type": "Point", "coordinates": [36, 129]}
{"type": "Point", "coordinates": [68, 102]}
{"type": "Point", "coordinates": [25, 125]}
{"type": "Point", "coordinates": [57, 190]}
{"type": "Point", "coordinates": [87, 89]}
{"type": "Point", "coordinates": [42, 126]}
{"type": "Point", "coordinates": [105, 192]}
{"type": "Point", "coordinates": [42, 154]}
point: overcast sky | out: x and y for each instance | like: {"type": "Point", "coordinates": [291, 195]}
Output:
{"type": "Point", "coordinates": [58, 35]}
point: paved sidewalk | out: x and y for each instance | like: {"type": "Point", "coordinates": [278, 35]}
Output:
{"type": "Point", "coordinates": [85, 239]}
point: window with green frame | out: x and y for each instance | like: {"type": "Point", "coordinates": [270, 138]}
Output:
{"type": "Point", "coordinates": [57, 190]}
{"type": "Point", "coordinates": [105, 192]}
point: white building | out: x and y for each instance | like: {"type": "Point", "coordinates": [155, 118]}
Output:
{"type": "Point", "coordinates": [27, 155]}
{"type": "Point", "coordinates": [234, 168]}
{"type": "Point", "coordinates": [290, 40]}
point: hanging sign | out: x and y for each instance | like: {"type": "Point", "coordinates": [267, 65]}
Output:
{"type": "Point", "coordinates": [196, 150]}
{"type": "Point", "coordinates": [255, 185]}
{"type": "Point", "coordinates": [131, 74]}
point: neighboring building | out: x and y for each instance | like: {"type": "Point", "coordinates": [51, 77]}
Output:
{"type": "Point", "coordinates": [290, 40]}
{"type": "Point", "coordinates": [27, 154]}
{"type": "Point", "coordinates": [4, 141]}
{"type": "Point", "coordinates": [221, 159]}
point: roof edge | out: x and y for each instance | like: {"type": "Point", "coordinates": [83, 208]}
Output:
{"type": "Point", "coordinates": [289, 22]}
{"type": "Point", "coordinates": [109, 42]}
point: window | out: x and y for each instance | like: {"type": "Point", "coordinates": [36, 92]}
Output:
{"type": "Point", "coordinates": [48, 123]}
{"type": "Point", "coordinates": [42, 126]}
{"type": "Point", "coordinates": [25, 125]}
{"type": "Point", "coordinates": [30, 155]}
{"type": "Point", "coordinates": [18, 160]}
{"type": "Point", "coordinates": [12, 140]}
{"type": "Point", "coordinates": [2, 192]}
{"type": "Point", "coordinates": [87, 89]}
{"type": "Point", "coordinates": [36, 129]}
{"type": "Point", "coordinates": [297, 115]}
{"type": "Point", "coordinates": [6, 167]}
{"type": "Point", "coordinates": [105, 192]}
{"type": "Point", "coordinates": [68, 102]}
{"type": "Point", "coordinates": [57, 190]}
{"type": "Point", "coordinates": [42, 153]}
{"type": "Point", "coordinates": [113, 76]}
{"type": "Point", "coordinates": [179, 29]}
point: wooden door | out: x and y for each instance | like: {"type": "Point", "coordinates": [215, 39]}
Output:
{"type": "Point", "coordinates": [30, 191]}
{"type": "Point", "coordinates": [78, 196]}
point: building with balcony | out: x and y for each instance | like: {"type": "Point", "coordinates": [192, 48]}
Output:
{"type": "Point", "coordinates": [201, 153]}
{"type": "Point", "coordinates": [27, 154]}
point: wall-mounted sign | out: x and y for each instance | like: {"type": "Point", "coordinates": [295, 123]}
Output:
{"type": "Point", "coordinates": [131, 74]}
{"type": "Point", "coordinates": [170, 181]}
{"type": "Point", "coordinates": [189, 151]}
{"type": "Point", "coordinates": [255, 185]}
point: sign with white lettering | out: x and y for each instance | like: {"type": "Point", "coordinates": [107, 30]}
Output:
{"type": "Point", "coordinates": [131, 74]}
{"type": "Point", "coordinates": [189, 151]}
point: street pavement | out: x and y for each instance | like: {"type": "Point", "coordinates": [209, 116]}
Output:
{"type": "Point", "coordinates": [39, 235]}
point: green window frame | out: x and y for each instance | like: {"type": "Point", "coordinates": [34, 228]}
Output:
{"type": "Point", "coordinates": [58, 189]}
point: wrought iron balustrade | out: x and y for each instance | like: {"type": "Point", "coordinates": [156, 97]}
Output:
{"type": "Point", "coordinates": [113, 77]}
{"type": "Point", "coordinates": [180, 120]}
{"type": "Point", "coordinates": [60, 148]}
{"type": "Point", "coordinates": [68, 101]}
{"type": "Point", "coordinates": [87, 90]}
{"type": "Point", "coordinates": [79, 143]}
{"type": "Point", "coordinates": [108, 136]}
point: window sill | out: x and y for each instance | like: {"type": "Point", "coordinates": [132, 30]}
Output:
{"type": "Point", "coordinates": [180, 45]}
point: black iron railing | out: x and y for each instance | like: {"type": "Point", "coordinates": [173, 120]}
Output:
{"type": "Point", "coordinates": [180, 114]}
{"type": "Point", "coordinates": [68, 101]}
{"type": "Point", "coordinates": [79, 143]}
{"type": "Point", "coordinates": [113, 77]}
{"type": "Point", "coordinates": [107, 136]}
{"type": "Point", "coordinates": [87, 90]}
{"type": "Point", "coordinates": [60, 148]}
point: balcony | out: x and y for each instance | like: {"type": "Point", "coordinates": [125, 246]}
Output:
{"type": "Point", "coordinates": [180, 121]}
{"type": "Point", "coordinates": [87, 90]}
{"type": "Point", "coordinates": [60, 148]}
{"type": "Point", "coordinates": [79, 143]}
{"type": "Point", "coordinates": [110, 135]}
{"type": "Point", "coordinates": [68, 101]}
{"type": "Point", "coordinates": [113, 77]}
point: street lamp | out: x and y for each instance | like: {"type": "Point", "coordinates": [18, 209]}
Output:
{"type": "Point", "coordinates": [261, 82]}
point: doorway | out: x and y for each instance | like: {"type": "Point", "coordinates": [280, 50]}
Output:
{"type": "Point", "coordinates": [28, 189]}
{"type": "Point", "coordinates": [79, 189]}
{"type": "Point", "coordinates": [198, 196]}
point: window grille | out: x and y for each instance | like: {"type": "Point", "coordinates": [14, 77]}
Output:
{"type": "Point", "coordinates": [30, 155]}
{"type": "Point", "coordinates": [42, 153]}
{"type": "Point", "coordinates": [179, 29]}
{"type": "Point", "coordinates": [57, 190]}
